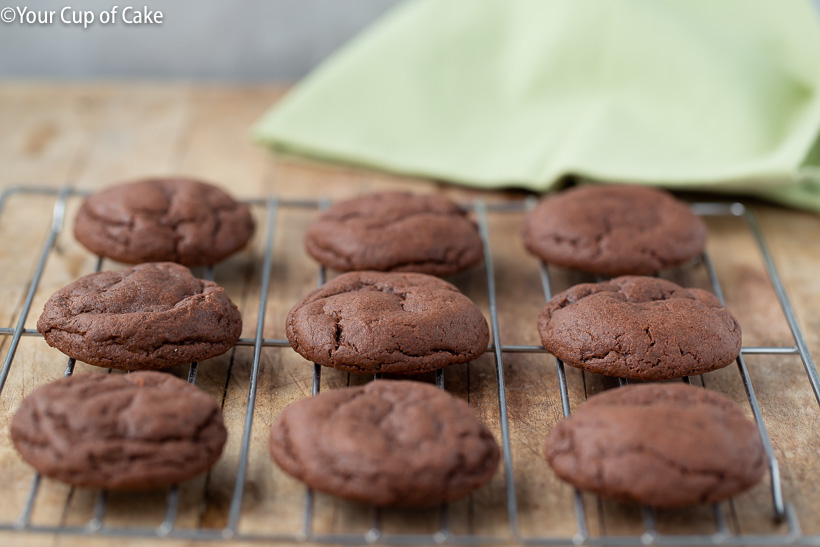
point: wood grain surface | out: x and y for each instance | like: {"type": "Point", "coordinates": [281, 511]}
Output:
{"type": "Point", "coordinates": [90, 136]}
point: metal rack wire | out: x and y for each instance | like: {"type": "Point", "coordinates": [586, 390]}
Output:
{"type": "Point", "coordinates": [781, 509]}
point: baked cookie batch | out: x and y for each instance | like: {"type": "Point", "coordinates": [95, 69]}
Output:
{"type": "Point", "coordinates": [391, 442]}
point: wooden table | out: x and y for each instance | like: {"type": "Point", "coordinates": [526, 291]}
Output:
{"type": "Point", "coordinates": [91, 136]}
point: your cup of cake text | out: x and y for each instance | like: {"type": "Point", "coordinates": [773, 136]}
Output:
{"type": "Point", "coordinates": [128, 15]}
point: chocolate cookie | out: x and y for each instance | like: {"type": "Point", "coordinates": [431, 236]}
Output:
{"type": "Point", "coordinates": [664, 445]}
{"type": "Point", "coordinates": [174, 219]}
{"type": "Point", "coordinates": [151, 316]}
{"type": "Point", "coordinates": [404, 323]}
{"type": "Point", "coordinates": [395, 232]}
{"type": "Point", "coordinates": [614, 230]}
{"type": "Point", "coordinates": [386, 443]}
{"type": "Point", "coordinates": [119, 431]}
{"type": "Point", "coordinates": [641, 328]}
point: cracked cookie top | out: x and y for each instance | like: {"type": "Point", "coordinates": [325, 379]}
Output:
{"type": "Point", "coordinates": [395, 232]}
{"type": "Point", "coordinates": [405, 323]}
{"type": "Point", "coordinates": [150, 316]}
{"type": "Point", "coordinates": [119, 431]}
{"type": "Point", "coordinates": [386, 443]}
{"type": "Point", "coordinates": [163, 219]}
{"type": "Point", "coordinates": [663, 445]}
{"type": "Point", "coordinates": [614, 230]}
{"type": "Point", "coordinates": [641, 328]}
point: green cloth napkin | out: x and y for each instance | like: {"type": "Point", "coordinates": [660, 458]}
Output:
{"type": "Point", "coordinates": [717, 95]}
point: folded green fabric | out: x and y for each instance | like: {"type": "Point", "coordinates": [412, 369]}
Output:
{"type": "Point", "coordinates": [719, 95]}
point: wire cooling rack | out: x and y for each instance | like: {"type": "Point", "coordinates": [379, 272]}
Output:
{"type": "Point", "coordinates": [780, 509]}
